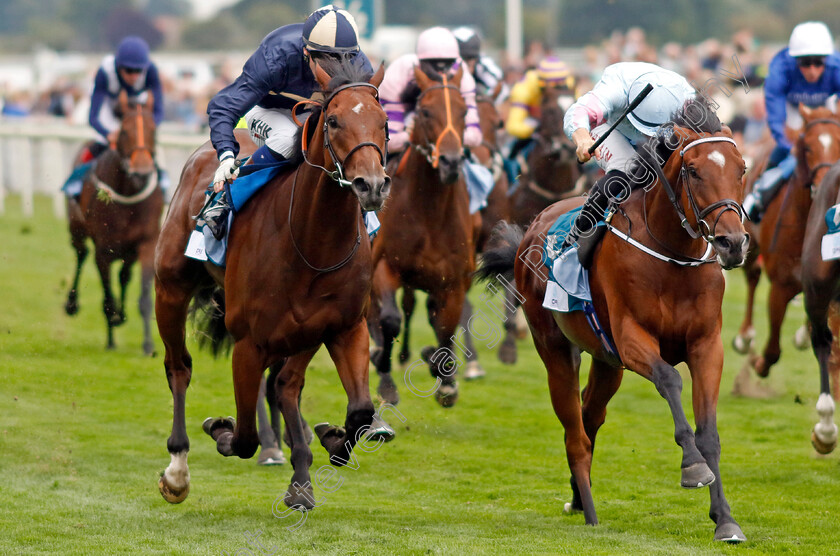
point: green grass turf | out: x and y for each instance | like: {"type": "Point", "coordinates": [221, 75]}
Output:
{"type": "Point", "coordinates": [83, 438]}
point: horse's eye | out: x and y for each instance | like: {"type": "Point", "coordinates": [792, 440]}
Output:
{"type": "Point", "coordinates": [425, 113]}
{"type": "Point", "coordinates": [692, 172]}
{"type": "Point", "coordinates": [332, 122]}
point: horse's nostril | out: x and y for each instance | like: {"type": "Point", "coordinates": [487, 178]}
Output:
{"type": "Point", "coordinates": [361, 185]}
{"type": "Point", "coordinates": [723, 242]}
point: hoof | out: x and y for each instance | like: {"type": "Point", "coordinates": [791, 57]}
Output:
{"type": "Point", "coordinates": [823, 447]}
{"type": "Point", "coordinates": [299, 498]}
{"type": "Point", "coordinates": [474, 370]}
{"type": "Point", "coordinates": [802, 338]}
{"type": "Point", "coordinates": [742, 343]}
{"type": "Point", "coordinates": [760, 366]}
{"type": "Point", "coordinates": [404, 356]}
{"type": "Point", "coordinates": [697, 475]}
{"type": "Point", "coordinates": [729, 532]}
{"type": "Point", "coordinates": [271, 456]}
{"type": "Point", "coordinates": [170, 494]}
{"type": "Point", "coordinates": [71, 307]}
{"type": "Point", "coordinates": [569, 509]}
{"type": "Point", "coordinates": [380, 430]}
{"type": "Point", "coordinates": [447, 394]}
{"type": "Point", "coordinates": [507, 352]}
{"type": "Point", "coordinates": [426, 354]}
{"type": "Point", "coordinates": [116, 319]}
{"type": "Point", "coordinates": [329, 435]}
{"type": "Point", "coordinates": [149, 350]}
{"type": "Point", "coordinates": [387, 389]}
{"type": "Point", "coordinates": [218, 425]}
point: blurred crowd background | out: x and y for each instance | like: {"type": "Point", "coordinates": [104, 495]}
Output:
{"type": "Point", "coordinates": [50, 49]}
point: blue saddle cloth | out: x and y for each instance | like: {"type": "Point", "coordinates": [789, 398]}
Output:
{"type": "Point", "coordinates": [480, 183]}
{"type": "Point", "coordinates": [203, 245]}
{"type": "Point", "coordinates": [832, 219]}
{"type": "Point", "coordinates": [73, 186]}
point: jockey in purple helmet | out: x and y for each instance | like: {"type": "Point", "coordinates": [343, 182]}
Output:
{"type": "Point", "coordinates": [275, 78]}
{"type": "Point", "coordinates": [807, 71]}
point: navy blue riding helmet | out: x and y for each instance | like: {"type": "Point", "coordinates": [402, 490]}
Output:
{"type": "Point", "coordinates": [132, 53]}
{"type": "Point", "coordinates": [329, 31]}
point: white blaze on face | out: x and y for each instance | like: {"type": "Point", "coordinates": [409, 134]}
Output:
{"type": "Point", "coordinates": [717, 158]}
{"type": "Point", "coordinates": [825, 140]}
{"type": "Point", "coordinates": [358, 108]}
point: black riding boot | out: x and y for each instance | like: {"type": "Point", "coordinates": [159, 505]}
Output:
{"type": "Point", "coordinates": [216, 216]}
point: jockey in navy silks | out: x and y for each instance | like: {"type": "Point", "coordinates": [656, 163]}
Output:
{"type": "Point", "coordinates": [807, 72]}
{"type": "Point", "coordinates": [129, 70]}
{"type": "Point", "coordinates": [274, 79]}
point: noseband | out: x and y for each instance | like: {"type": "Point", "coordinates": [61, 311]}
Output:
{"type": "Point", "coordinates": [432, 152]}
{"type": "Point", "coordinates": [338, 173]}
{"type": "Point", "coordinates": [140, 145]}
{"type": "Point", "coordinates": [703, 229]}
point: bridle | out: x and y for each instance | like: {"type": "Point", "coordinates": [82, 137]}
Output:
{"type": "Point", "coordinates": [813, 171]}
{"type": "Point", "coordinates": [703, 229]}
{"type": "Point", "coordinates": [140, 144]}
{"type": "Point", "coordinates": [432, 151]}
{"type": "Point", "coordinates": [338, 173]}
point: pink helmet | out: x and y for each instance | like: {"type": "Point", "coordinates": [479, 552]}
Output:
{"type": "Point", "coordinates": [437, 43]}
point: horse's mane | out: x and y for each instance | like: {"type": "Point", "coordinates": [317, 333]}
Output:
{"type": "Point", "coordinates": [342, 72]}
{"type": "Point", "coordinates": [696, 114]}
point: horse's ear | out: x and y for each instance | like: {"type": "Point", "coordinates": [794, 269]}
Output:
{"type": "Point", "coordinates": [421, 78]}
{"type": "Point", "coordinates": [804, 111]}
{"type": "Point", "coordinates": [456, 79]}
{"type": "Point", "coordinates": [376, 80]}
{"type": "Point", "coordinates": [321, 76]}
{"type": "Point", "coordinates": [123, 101]}
{"type": "Point", "coordinates": [726, 130]}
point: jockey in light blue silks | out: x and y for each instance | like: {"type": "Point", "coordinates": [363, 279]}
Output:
{"type": "Point", "coordinates": [593, 113]}
{"type": "Point", "coordinates": [129, 70]}
{"type": "Point", "coordinates": [807, 71]}
{"type": "Point", "coordinates": [275, 78]}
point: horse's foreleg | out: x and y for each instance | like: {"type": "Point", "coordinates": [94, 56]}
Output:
{"type": "Point", "coordinates": [288, 387]}
{"type": "Point", "coordinates": [125, 278]}
{"type": "Point", "coordinates": [248, 368]}
{"type": "Point", "coordinates": [834, 360]}
{"type": "Point", "coordinates": [349, 351]}
{"type": "Point", "coordinates": [818, 305]}
{"type": "Point", "coordinates": [171, 308]}
{"type": "Point", "coordinates": [79, 242]}
{"type": "Point", "coordinates": [409, 301]}
{"type": "Point", "coordinates": [445, 309]}
{"type": "Point", "coordinates": [387, 283]}
{"type": "Point", "coordinates": [147, 274]}
{"type": "Point", "coordinates": [746, 333]}
{"type": "Point", "coordinates": [780, 296]}
{"type": "Point", "coordinates": [109, 307]}
{"type": "Point", "coordinates": [270, 452]}
{"type": "Point", "coordinates": [706, 364]}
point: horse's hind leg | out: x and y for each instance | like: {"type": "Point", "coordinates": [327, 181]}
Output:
{"type": "Point", "coordinates": [746, 333]}
{"type": "Point", "coordinates": [409, 300]}
{"type": "Point", "coordinates": [171, 303]}
{"type": "Point", "coordinates": [507, 349]}
{"type": "Point", "coordinates": [445, 309]}
{"type": "Point", "coordinates": [125, 278]}
{"type": "Point", "coordinates": [147, 270]}
{"type": "Point", "coordinates": [473, 368]}
{"type": "Point", "coordinates": [389, 321]}
{"type": "Point", "coordinates": [79, 241]}
{"type": "Point", "coordinates": [270, 452]}
{"type": "Point", "coordinates": [248, 368]}
{"type": "Point", "coordinates": [780, 296]}
{"type": "Point", "coordinates": [562, 363]}
{"type": "Point", "coordinates": [705, 361]}
{"type": "Point", "coordinates": [818, 306]}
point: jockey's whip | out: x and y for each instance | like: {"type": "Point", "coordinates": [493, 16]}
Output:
{"type": "Point", "coordinates": [636, 101]}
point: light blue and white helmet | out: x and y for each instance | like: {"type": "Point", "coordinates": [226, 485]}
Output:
{"type": "Point", "coordinates": [666, 98]}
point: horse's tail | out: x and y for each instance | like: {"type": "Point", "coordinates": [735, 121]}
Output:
{"type": "Point", "coordinates": [499, 255]}
{"type": "Point", "coordinates": [208, 316]}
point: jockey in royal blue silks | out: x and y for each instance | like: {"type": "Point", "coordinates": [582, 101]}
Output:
{"type": "Point", "coordinates": [129, 70]}
{"type": "Point", "coordinates": [807, 71]}
{"type": "Point", "coordinates": [277, 76]}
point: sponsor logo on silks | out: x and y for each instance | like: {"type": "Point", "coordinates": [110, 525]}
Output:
{"type": "Point", "coordinates": [260, 129]}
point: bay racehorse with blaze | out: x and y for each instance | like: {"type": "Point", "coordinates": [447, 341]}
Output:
{"type": "Point", "coordinates": [120, 209]}
{"type": "Point", "coordinates": [427, 237]}
{"type": "Point", "coordinates": [657, 293]}
{"type": "Point", "coordinates": [780, 235]}
{"type": "Point", "coordinates": [297, 276]}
